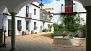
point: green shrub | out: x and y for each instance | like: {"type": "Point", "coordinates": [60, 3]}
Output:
{"type": "Point", "coordinates": [76, 35]}
{"type": "Point", "coordinates": [44, 30]}
{"type": "Point", "coordinates": [49, 27]}
{"type": "Point", "coordinates": [70, 35]}
{"type": "Point", "coordinates": [52, 35]}
{"type": "Point", "coordinates": [59, 27]}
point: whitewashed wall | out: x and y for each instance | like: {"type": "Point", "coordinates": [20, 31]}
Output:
{"type": "Point", "coordinates": [22, 13]}
{"type": "Point", "coordinates": [57, 9]}
{"type": "Point", "coordinates": [57, 19]}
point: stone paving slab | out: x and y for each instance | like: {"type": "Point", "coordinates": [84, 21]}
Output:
{"type": "Point", "coordinates": [37, 42]}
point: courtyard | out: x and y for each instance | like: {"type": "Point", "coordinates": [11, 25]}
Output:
{"type": "Point", "coordinates": [39, 42]}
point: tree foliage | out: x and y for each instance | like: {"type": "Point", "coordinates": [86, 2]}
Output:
{"type": "Point", "coordinates": [72, 22]}
{"type": "Point", "coordinates": [49, 27]}
{"type": "Point", "coordinates": [58, 27]}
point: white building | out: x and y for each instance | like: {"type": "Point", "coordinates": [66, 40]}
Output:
{"type": "Point", "coordinates": [66, 6]}
{"type": "Point", "coordinates": [28, 18]}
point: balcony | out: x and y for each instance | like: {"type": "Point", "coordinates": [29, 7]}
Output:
{"type": "Point", "coordinates": [44, 16]}
{"type": "Point", "coordinates": [29, 17]}
{"type": "Point", "coordinates": [69, 10]}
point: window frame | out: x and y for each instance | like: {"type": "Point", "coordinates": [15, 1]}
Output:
{"type": "Point", "coordinates": [34, 11]}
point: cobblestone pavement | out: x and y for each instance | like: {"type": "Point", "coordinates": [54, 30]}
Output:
{"type": "Point", "coordinates": [38, 42]}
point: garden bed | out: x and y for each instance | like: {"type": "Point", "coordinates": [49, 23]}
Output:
{"type": "Point", "coordinates": [69, 41]}
{"type": "Point", "coordinates": [62, 41]}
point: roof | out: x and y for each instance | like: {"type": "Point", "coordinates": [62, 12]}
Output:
{"type": "Point", "coordinates": [47, 6]}
{"type": "Point", "coordinates": [34, 5]}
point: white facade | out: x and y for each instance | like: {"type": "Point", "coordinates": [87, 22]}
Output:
{"type": "Point", "coordinates": [61, 9]}
{"type": "Point", "coordinates": [22, 16]}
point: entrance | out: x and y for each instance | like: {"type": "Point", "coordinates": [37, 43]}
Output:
{"type": "Point", "coordinates": [1, 37]}
{"type": "Point", "coordinates": [9, 28]}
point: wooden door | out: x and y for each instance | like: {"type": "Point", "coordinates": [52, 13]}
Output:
{"type": "Point", "coordinates": [1, 37]}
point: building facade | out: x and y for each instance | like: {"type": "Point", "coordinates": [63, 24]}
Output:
{"type": "Point", "coordinates": [66, 7]}
{"type": "Point", "coordinates": [45, 18]}
{"type": "Point", "coordinates": [28, 20]}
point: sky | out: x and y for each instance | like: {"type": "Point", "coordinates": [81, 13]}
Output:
{"type": "Point", "coordinates": [46, 1]}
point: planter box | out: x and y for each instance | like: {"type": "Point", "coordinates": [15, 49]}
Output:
{"type": "Point", "coordinates": [80, 42]}
{"type": "Point", "coordinates": [69, 41]}
{"type": "Point", "coordinates": [62, 41]}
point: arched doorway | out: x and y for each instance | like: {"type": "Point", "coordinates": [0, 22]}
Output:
{"type": "Point", "coordinates": [13, 10]}
{"type": "Point", "coordinates": [2, 27]}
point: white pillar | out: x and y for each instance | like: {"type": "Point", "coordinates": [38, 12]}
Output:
{"type": "Point", "coordinates": [13, 32]}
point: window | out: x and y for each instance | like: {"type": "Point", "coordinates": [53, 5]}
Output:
{"type": "Point", "coordinates": [35, 26]}
{"type": "Point", "coordinates": [68, 3]}
{"type": "Point", "coordinates": [57, 0]}
{"type": "Point", "coordinates": [19, 25]}
{"type": "Point", "coordinates": [34, 11]}
{"type": "Point", "coordinates": [27, 25]}
{"type": "Point", "coordinates": [27, 11]}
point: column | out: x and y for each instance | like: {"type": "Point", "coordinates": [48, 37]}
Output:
{"type": "Point", "coordinates": [13, 32]}
{"type": "Point", "coordinates": [1, 30]}
{"type": "Point", "coordinates": [88, 28]}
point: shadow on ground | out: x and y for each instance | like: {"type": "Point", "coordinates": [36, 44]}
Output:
{"type": "Point", "coordinates": [47, 35]}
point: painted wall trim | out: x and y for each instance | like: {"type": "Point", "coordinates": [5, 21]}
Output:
{"type": "Point", "coordinates": [66, 13]}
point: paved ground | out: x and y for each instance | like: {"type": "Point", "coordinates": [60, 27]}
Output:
{"type": "Point", "coordinates": [38, 42]}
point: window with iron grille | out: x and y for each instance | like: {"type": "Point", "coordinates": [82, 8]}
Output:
{"type": "Point", "coordinates": [27, 11]}
{"type": "Point", "coordinates": [34, 11]}
{"type": "Point", "coordinates": [35, 26]}
{"type": "Point", "coordinates": [19, 25]}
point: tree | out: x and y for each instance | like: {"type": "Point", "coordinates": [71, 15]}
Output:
{"type": "Point", "coordinates": [49, 27]}
{"type": "Point", "coordinates": [58, 27]}
{"type": "Point", "coordinates": [41, 5]}
{"type": "Point", "coordinates": [73, 23]}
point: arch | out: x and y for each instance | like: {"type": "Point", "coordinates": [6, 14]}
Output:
{"type": "Point", "coordinates": [2, 7]}
{"type": "Point", "coordinates": [77, 1]}
{"type": "Point", "coordinates": [19, 5]}
{"type": "Point", "coordinates": [84, 2]}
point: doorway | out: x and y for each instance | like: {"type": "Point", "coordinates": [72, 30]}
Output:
{"type": "Point", "coordinates": [9, 27]}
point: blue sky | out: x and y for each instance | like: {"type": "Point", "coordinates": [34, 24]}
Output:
{"type": "Point", "coordinates": [46, 1]}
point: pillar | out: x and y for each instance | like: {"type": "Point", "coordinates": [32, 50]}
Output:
{"type": "Point", "coordinates": [88, 28]}
{"type": "Point", "coordinates": [13, 32]}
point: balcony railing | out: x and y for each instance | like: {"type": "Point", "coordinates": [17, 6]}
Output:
{"type": "Point", "coordinates": [44, 17]}
{"type": "Point", "coordinates": [74, 8]}
{"type": "Point", "coordinates": [29, 15]}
